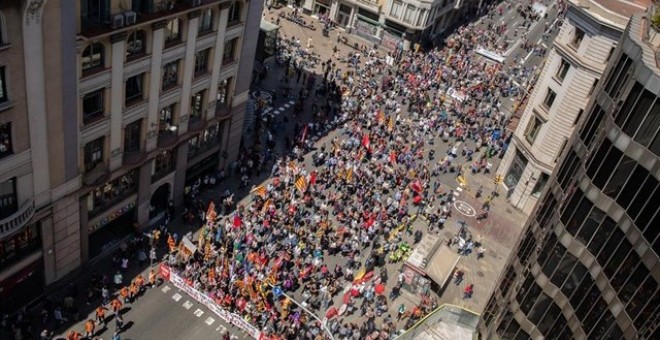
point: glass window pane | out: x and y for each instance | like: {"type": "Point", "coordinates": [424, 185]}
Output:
{"type": "Point", "coordinates": [596, 159]}
{"type": "Point", "coordinates": [616, 258]}
{"type": "Point", "coordinates": [648, 288]}
{"type": "Point", "coordinates": [625, 271]}
{"type": "Point", "coordinates": [574, 279]}
{"type": "Point", "coordinates": [579, 216]}
{"type": "Point", "coordinates": [626, 108]}
{"type": "Point", "coordinates": [564, 269]}
{"type": "Point", "coordinates": [610, 247]}
{"type": "Point", "coordinates": [610, 162]}
{"type": "Point", "coordinates": [590, 225]}
{"type": "Point", "coordinates": [539, 308]}
{"type": "Point", "coordinates": [643, 194]}
{"type": "Point", "coordinates": [639, 112]}
{"type": "Point", "coordinates": [635, 279]}
{"type": "Point", "coordinates": [649, 127]}
{"type": "Point", "coordinates": [620, 176]}
{"type": "Point", "coordinates": [549, 319]}
{"type": "Point", "coordinates": [530, 298]}
{"type": "Point", "coordinates": [571, 206]}
{"type": "Point", "coordinates": [553, 261]}
{"type": "Point", "coordinates": [603, 234]}
{"type": "Point", "coordinates": [630, 189]}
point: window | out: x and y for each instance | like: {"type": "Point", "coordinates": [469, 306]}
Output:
{"type": "Point", "coordinates": [93, 106]}
{"type": "Point", "coordinates": [396, 9]}
{"type": "Point", "coordinates": [202, 62]}
{"type": "Point", "coordinates": [134, 89]}
{"type": "Point", "coordinates": [574, 279]}
{"type": "Point", "coordinates": [136, 45]}
{"type": "Point", "coordinates": [93, 153]}
{"type": "Point", "coordinates": [620, 176]}
{"type": "Point", "coordinates": [111, 192]}
{"type": "Point", "coordinates": [577, 38]}
{"type": "Point", "coordinates": [6, 148]}
{"type": "Point", "coordinates": [4, 97]}
{"type": "Point", "coordinates": [578, 116]}
{"type": "Point", "coordinates": [599, 239]}
{"type": "Point", "coordinates": [507, 281]}
{"type": "Point", "coordinates": [563, 69]}
{"type": "Point", "coordinates": [590, 128]}
{"type": "Point", "coordinates": [8, 198]}
{"type": "Point", "coordinates": [614, 77]}
{"type": "Point", "coordinates": [3, 37]}
{"type": "Point", "coordinates": [649, 128]}
{"type": "Point", "coordinates": [234, 14]}
{"type": "Point", "coordinates": [173, 32]}
{"type": "Point", "coordinates": [93, 58]}
{"type": "Point", "coordinates": [94, 13]}
{"type": "Point", "coordinates": [516, 170]}
{"type": "Point", "coordinates": [163, 164]}
{"type": "Point", "coordinates": [143, 6]}
{"type": "Point", "coordinates": [609, 54]}
{"type": "Point", "coordinates": [561, 149]}
{"type": "Point", "coordinates": [170, 75]}
{"type": "Point", "coordinates": [229, 52]}
{"type": "Point", "coordinates": [205, 22]}
{"type": "Point", "coordinates": [204, 141]}
{"type": "Point", "coordinates": [564, 269]}
{"type": "Point", "coordinates": [166, 121]}
{"type": "Point", "coordinates": [540, 184]}
{"type": "Point", "coordinates": [132, 136]}
{"type": "Point", "coordinates": [20, 244]}
{"type": "Point", "coordinates": [222, 97]}
{"type": "Point", "coordinates": [593, 87]}
{"type": "Point", "coordinates": [533, 129]}
{"type": "Point", "coordinates": [549, 99]}
{"type": "Point", "coordinates": [197, 105]}
{"type": "Point", "coordinates": [590, 225]}
{"type": "Point", "coordinates": [421, 17]}
{"type": "Point", "coordinates": [409, 14]}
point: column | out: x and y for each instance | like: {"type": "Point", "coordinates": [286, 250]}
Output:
{"type": "Point", "coordinates": [117, 99]}
{"type": "Point", "coordinates": [221, 24]}
{"type": "Point", "coordinates": [188, 70]}
{"type": "Point", "coordinates": [154, 83]}
{"type": "Point", "coordinates": [144, 195]}
{"type": "Point", "coordinates": [36, 105]}
{"type": "Point", "coordinates": [333, 10]}
{"type": "Point", "coordinates": [181, 164]}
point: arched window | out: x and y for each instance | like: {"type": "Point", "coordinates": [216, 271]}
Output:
{"type": "Point", "coordinates": [136, 45]}
{"type": "Point", "coordinates": [234, 13]}
{"type": "Point", "coordinates": [173, 31]}
{"type": "Point", "coordinates": [93, 57]}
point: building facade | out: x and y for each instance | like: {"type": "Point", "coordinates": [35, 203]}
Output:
{"type": "Point", "coordinates": [393, 23]}
{"type": "Point", "coordinates": [567, 81]}
{"type": "Point", "coordinates": [39, 177]}
{"type": "Point", "coordinates": [161, 100]}
{"type": "Point", "coordinates": [587, 266]}
{"type": "Point", "coordinates": [106, 115]}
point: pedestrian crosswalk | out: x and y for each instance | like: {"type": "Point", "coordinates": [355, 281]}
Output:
{"type": "Point", "coordinates": [197, 312]}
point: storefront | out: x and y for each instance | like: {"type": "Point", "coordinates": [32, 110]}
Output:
{"type": "Point", "coordinates": [366, 25]}
{"type": "Point", "coordinates": [322, 8]}
{"type": "Point", "coordinates": [23, 286]}
{"type": "Point", "coordinates": [110, 210]}
{"type": "Point", "coordinates": [206, 166]}
{"type": "Point", "coordinates": [343, 15]}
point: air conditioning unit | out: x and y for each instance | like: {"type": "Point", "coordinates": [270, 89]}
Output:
{"type": "Point", "coordinates": [195, 3]}
{"type": "Point", "coordinates": [118, 21]}
{"type": "Point", "coordinates": [130, 17]}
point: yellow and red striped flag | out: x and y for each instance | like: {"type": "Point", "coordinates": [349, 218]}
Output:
{"type": "Point", "coordinates": [301, 184]}
{"type": "Point", "coordinates": [349, 174]}
{"type": "Point", "coordinates": [390, 124]}
{"type": "Point", "coordinates": [266, 206]}
{"type": "Point", "coordinates": [260, 190]}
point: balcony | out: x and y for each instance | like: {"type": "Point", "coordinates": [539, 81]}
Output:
{"type": "Point", "coordinates": [134, 158]}
{"type": "Point", "coordinates": [196, 124]}
{"type": "Point", "coordinates": [167, 139]}
{"type": "Point", "coordinates": [17, 220]}
{"type": "Point", "coordinates": [222, 111]}
{"type": "Point", "coordinates": [96, 175]}
{"type": "Point", "coordinates": [103, 24]}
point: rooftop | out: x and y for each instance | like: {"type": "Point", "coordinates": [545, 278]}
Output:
{"type": "Point", "coordinates": [614, 12]}
{"type": "Point", "coordinates": [446, 322]}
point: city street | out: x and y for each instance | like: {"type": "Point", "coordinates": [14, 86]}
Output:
{"type": "Point", "coordinates": [166, 313]}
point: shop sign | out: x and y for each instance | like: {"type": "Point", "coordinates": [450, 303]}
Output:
{"type": "Point", "coordinates": [111, 217]}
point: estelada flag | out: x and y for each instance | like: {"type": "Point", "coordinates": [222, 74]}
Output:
{"type": "Point", "coordinates": [260, 190]}
{"type": "Point", "coordinates": [301, 184]}
{"type": "Point", "coordinates": [210, 212]}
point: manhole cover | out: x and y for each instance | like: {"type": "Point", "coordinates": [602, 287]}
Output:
{"type": "Point", "coordinates": [480, 273]}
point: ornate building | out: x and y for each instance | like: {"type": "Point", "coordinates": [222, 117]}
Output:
{"type": "Point", "coordinates": [587, 266]}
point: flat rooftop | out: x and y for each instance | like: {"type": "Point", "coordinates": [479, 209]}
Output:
{"type": "Point", "coordinates": [615, 12]}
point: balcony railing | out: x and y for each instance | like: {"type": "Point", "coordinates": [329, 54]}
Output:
{"type": "Point", "coordinates": [167, 138]}
{"type": "Point", "coordinates": [17, 220]}
{"type": "Point", "coordinates": [196, 123]}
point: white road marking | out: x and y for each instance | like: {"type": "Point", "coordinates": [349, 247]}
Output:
{"type": "Point", "coordinates": [187, 304]}
{"type": "Point", "coordinates": [291, 102]}
{"type": "Point", "coordinates": [221, 329]}
{"type": "Point", "coordinates": [527, 57]}
{"type": "Point", "coordinates": [165, 289]}
{"type": "Point", "coordinates": [198, 312]}
{"type": "Point", "coordinates": [209, 321]}
{"type": "Point", "coordinates": [287, 105]}
{"type": "Point", "coordinates": [176, 297]}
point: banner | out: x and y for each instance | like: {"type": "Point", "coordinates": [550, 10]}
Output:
{"type": "Point", "coordinates": [227, 317]}
{"type": "Point", "coordinates": [164, 271]}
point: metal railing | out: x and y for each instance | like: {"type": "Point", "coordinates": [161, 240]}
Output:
{"type": "Point", "coordinates": [18, 219]}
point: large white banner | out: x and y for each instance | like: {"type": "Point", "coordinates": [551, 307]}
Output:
{"type": "Point", "coordinates": [226, 316]}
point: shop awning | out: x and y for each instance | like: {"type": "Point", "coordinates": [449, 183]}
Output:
{"type": "Point", "coordinates": [442, 265]}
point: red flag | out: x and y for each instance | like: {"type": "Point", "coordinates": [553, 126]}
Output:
{"type": "Point", "coordinates": [416, 186]}
{"type": "Point", "coordinates": [312, 178]}
{"type": "Point", "coordinates": [237, 221]}
{"type": "Point", "coordinates": [365, 141]}
{"type": "Point", "coordinates": [393, 157]}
